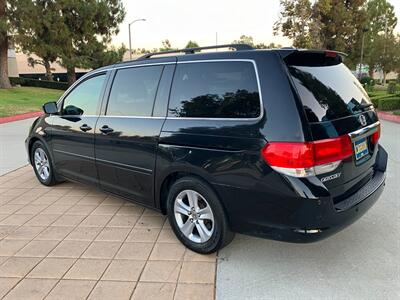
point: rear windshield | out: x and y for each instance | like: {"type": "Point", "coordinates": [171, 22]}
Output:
{"type": "Point", "coordinates": [329, 92]}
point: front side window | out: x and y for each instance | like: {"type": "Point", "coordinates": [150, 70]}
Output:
{"type": "Point", "coordinates": [133, 91]}
{"type": "Point", "coordinates": [84, 99]}
{"type": "Point", "coordinates": [215, 90]}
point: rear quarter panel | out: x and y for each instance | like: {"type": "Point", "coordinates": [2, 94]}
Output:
{"type": "Point", "coordinates": [226, 153]}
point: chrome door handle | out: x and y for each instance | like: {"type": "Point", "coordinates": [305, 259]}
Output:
{"type": "Point", "coordinates": [106, 130]}
{"type": "Point", "coordinates": [85, 127]}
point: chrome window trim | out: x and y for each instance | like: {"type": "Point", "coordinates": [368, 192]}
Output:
{"type": "Point", "coordinates": [92, 73]}
{"type": "Point", "coordinates": [226, 119]}
{"type": "Point", "coordinates": [131, 117]}
{"type": "Point", "coordinates": [95, 72]}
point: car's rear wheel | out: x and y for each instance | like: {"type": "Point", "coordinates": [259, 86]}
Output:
{"type": "Point", "coordinates": [42, 164]}
{"type": "Point", "coordinates": [197, 216]}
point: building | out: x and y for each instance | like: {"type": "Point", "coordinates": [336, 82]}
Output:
{"type": "Point", "coordinates": [12, 63]}
{"type": "Point", "coordinates": [38, 71]}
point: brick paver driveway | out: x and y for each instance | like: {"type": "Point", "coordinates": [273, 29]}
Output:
{"type": "Point", "coordinates": [73, 242]}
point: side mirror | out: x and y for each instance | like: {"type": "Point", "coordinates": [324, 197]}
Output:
{"type": "Point", "coordinates": [50, 108]}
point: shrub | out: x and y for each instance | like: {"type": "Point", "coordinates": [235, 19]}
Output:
{"type": "Point", "coordinates": [375, 102]}
{"type": "Point", "coordinates": [39, 83]}
{"type": "Point", "coordinates": [367, 81]}
{"type": "Point", "coordinates": [392, 88]}
{"type": "Point", "coordinates": [381, 96]}
{"type": "Point", "coordinates": [389, 103]}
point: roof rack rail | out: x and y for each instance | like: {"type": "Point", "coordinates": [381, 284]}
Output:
{"type": "Point", "coordinates": [237, 47]}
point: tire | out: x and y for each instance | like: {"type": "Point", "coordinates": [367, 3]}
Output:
{"type": "Point", "coordinates": [38, 148]}
{"type": "Point", "coordinates": [205, 232]}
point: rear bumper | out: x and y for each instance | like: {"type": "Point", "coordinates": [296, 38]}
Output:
{"type": "Point", "coordinates": [303, 219]}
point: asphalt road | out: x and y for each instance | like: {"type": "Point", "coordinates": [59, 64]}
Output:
{"type": "Point", "coordinates": [12, 147]}
{"type": "Point", "coordinates": [361, 262]}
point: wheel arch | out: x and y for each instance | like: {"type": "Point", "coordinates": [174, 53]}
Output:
{"type": "Point", "coordinates": [31, 141]}
{"type": "Point", "coordinates": [172, 176]}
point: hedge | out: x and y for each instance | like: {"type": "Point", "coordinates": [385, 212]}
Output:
{"type": "Point", "coordinates": [375, 102]}
{"type": "Point", "coordinates": [389, 103]}
{"type": "Point", "coordinates": [39, 83]}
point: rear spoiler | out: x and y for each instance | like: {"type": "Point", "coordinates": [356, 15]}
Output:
{"type": "Point", "coordinates": [311, 57]}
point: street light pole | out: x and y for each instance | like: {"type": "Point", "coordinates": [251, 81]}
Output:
{"type": "Point", "coordinates": [365, 29]}
{"type": "Point", "coordinates": [130, 39]}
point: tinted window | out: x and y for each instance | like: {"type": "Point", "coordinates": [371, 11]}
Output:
{"type": "Point", "coordinates": [164, 87]}
{"type": "Point", "coordinates": [215, 90]}
{"type": "Point", "coordinates": [329, 92]}
{"type": "Point", "coordinates": [84, 98]}
{"type": "Point", "coordinates": [133, 91]}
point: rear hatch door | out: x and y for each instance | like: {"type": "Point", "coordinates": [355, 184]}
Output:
{"type": "Point", "coordinates": [335, 104]}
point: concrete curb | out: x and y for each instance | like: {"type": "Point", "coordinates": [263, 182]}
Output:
{"type": "Point", "coordinates": [20, 117]}
{"type": "Point", "coordinates": [388, 117]}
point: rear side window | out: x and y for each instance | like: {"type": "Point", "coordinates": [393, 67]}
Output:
{"type": "Point", "coordinates": [215, 90]}
{"type": "Point", "coordinates": [133, 91]}
{"type": "Point", "coordinates": [328, 92]}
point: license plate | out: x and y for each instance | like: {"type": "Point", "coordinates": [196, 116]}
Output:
{"type": "Point", "coordinates": [360, 148]}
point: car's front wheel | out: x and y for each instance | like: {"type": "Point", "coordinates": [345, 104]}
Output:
{"type": "Point", "coordinates": [42, 164]}
{"type": "Point", "coordinates": [197, 216]}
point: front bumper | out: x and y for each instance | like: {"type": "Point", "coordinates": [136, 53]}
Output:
{"type": "Point", "coordinates": [302, 219]}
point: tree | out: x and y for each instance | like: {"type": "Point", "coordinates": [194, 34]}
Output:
{"type": "Point", "coordinates": [248, 40]}
{"type": "Point", "coordinates": [386, 52]}
{"type": "Point", "coordinates": [269, 46]}
{"type": "Point", "coordinates": [166, 45]}
{"type": "Point", "coordinates": [4, 38]}
{"type": "Point", "coordinates": [295, 22]}
{"type": "Point", "coordinates": [244, 39]}
{"type": "Point", "coordinates": [45, 62]}
{"type": "Point", "coordinates": [326, 24]}
{"type": "Point", "coordinates": [103, 57]}
{"type": "Point", "coordinates": [192, 44]}
{"type": "Point", "coordinates": [86, 25]}
{"type": "Point", "coordinates": [37, 31]}
{"type": "Point", "coordinates": [379, 37]}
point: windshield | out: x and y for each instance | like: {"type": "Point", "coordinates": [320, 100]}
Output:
{"type": "Point", "coordinates": [329, 92]}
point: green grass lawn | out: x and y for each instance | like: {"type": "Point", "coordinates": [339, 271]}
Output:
{"type": "Point", "coordinates": [19, 100]}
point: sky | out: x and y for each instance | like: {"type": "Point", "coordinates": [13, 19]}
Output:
{"type": "Point", "coordinates": [181, 21]}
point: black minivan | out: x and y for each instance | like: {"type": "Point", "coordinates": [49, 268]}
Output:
{"type": "Point", "coordinates": [280, 143]}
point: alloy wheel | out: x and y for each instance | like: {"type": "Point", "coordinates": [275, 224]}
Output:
{"type": "Point", "coordinates": [194, 216]}
{"type": "Point", "coordinates": [42, 163]}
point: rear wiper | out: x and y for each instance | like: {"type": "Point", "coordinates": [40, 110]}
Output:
{"type": "Point", "coordinates": [362, 106]}
{"type": "Point", "coordinates": [365, 105]}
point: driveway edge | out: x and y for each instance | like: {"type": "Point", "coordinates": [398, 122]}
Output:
{"type": "Point", "coordinates": [20, 117]}
{"type": "Point", "coordinates": [388, 117]}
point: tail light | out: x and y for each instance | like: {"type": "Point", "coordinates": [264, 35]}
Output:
{"type": "Point", "coordinates": [376, 135]}
{"type": "Point", "coordinates": [307, 158]}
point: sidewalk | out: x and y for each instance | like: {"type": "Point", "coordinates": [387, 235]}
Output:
{"type": "Point", "coordinates": [74, 242]}
{"type": "Point", "coordinates": [12, 146]}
